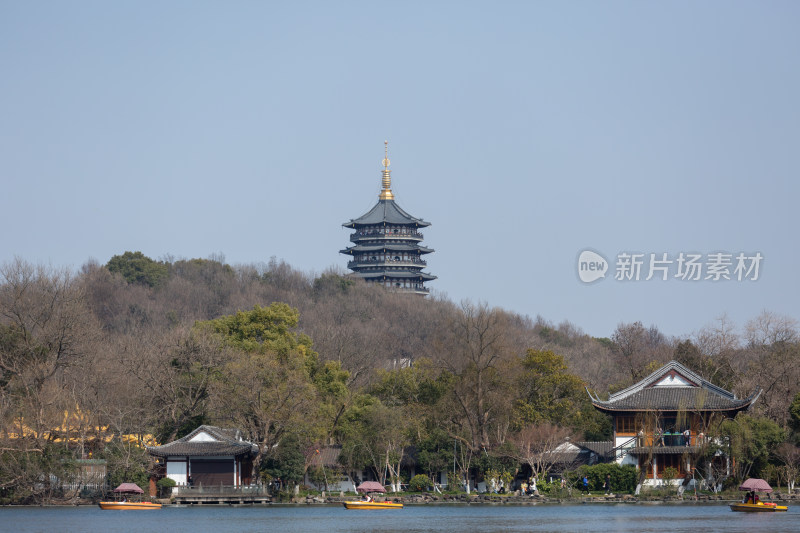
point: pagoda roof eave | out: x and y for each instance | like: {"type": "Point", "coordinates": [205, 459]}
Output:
{"type": "Point", "coordinates": [387, 246]}
{"type": "Point", "coordinates": [386, 212]}
{"type": "Point", "coordinates": [422, 276]}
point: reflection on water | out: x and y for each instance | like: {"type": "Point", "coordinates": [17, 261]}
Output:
{"type": "Point", "coordinates": [605, 518]}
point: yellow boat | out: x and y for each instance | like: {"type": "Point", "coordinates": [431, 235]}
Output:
{"type": "Point", "coordinates": [372, 505]}
{"type": "Point", "coordinates": [128, 506]}
{"type": "Point", "coordinates": [759, 507]}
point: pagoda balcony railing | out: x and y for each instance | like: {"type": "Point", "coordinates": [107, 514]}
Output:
{"type": "Point", "coordinates": [391, 262]}
{"type": "Point", "coordinates": [420, 289]}
{"type": "Point", "coordinates": [410, 289]}
{"type": "Point", "coordinates": [383, 235]}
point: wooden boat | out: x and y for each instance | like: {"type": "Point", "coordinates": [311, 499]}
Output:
{"type": "Point", "coordinates": [759, 507]}
{"type": "Point", "coordinates": [128, 506]}
{"type": "Point", "coordinates": [372, 505]}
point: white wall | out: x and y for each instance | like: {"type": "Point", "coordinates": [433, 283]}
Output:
{"type": "Point", "coordinates": [177, 471]}
{"type": "Point", "coordinates": [202, 437]}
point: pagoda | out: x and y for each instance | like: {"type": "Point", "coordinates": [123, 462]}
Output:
{"type": "Point", "coordinates": [387, 248]}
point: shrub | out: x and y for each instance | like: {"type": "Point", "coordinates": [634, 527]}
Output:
{"type": "Point", "coordinates": [623, 478]}
{"type": "Point", "coordinates": [669, 473]}
{"type": "Point", "coordinates": [165, 485]}
{"type": "Point", "coordinates": [419, 483]}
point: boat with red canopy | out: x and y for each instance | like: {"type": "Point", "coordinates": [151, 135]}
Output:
{"type": "Point", "coordinates": [368, 488]}
{"type": "Point", "coordinates": [751, 503]}
{"type": "Point", "coordinates": [124, 504]}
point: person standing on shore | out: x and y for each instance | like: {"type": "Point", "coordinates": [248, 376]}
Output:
{"type": "Point", "coordinates": [607, 485]}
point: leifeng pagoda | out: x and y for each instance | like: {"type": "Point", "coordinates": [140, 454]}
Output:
{"type": "Point", "coordinates": [387, 248]}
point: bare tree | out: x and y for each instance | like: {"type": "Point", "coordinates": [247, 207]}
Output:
{"type": "Point", "coordinates": [542, 446]}
{"type": "Point", "coordinates": [789, 455]}
{"type": "Point", "coordinates": [479, 349]}
{"type": "Point", "coordinates": [636, 348]}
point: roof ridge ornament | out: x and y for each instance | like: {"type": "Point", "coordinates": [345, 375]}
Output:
{"type": "Point", "coordinates": [386, 191]}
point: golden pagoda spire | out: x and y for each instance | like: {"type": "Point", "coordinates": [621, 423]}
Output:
{"type": "Point", "coordinates": [386, 192]}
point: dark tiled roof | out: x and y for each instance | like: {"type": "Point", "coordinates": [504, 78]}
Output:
{"type": "Point", "coordinates": [327, 456]}
{"type": "Point", "coordinates": [675, 399]}
{"type": "Point", "coordinates": [567, 457]}
{"type": "Point", "coordinates": [228, 443]}
{"type": "Point", "coordinates": [599, 447]}
{"type": "Point", "coordinates": [386, 211]}
{"type": "Point", "coordinates": [663, 450]}
{"type": "Point", "coordinates": [673, 387]}
{"type": "Point", "coordinates": [200, 448]}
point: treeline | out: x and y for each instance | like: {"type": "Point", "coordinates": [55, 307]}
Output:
{"type": "Point", "coordinates": [141, 347]}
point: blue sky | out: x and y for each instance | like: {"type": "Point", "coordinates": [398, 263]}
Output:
{"type": "Point", "coordinates": [525, 132]}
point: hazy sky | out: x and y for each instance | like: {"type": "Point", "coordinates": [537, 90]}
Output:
{"type": "Point", "coordinates": [525, 132]}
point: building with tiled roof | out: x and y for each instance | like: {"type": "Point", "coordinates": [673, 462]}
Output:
{"type": "Point", "coordinates": [207, 456]}
{"type": "Point", "coordinates": [662, 421]}
{"type": "Point", "coordinates": [387, 248]}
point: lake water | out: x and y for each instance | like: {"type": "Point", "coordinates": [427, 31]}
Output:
{"type": "Point", "coordinates": [605, 518]}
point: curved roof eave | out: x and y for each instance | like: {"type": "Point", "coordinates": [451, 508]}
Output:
{"type": "Point", "coordinates": [386, 212]}
{"type": "Point", "coordinates": [387, 246]}
{"type": "Point", "coordinates": [423, 276]}
{"type": "Point", "coordinates": [734, 405]}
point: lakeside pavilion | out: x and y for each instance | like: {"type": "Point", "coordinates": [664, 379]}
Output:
{"type": "Point", "coordinates": [387, 248]}
{"type": "Point", "coordinates": [667, 420]}
{"type": "Point", "coordinates": [207, 456]}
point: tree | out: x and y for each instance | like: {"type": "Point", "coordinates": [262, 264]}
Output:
{"type": "Point", "coordinates": [541, 446]}
{"type": "Point", "coordinates": [177, 369]}
{"type": "Point", "coordinates": [435, 452]}
{"type": "Point", "coordinates": [266, 388]}
{"type": "Point", "coordinates": [794, 414]}
{"type": "Point", "coordinates": [750, 441]}
{"type": "Point", "coordinates": [635, 347]}
{"type": "Point", "coordinates": [135, 267]}
{"type": "Point", "coordinates": [375, 436]}
{"type": "Point", "coordinates": [789, 455]}
{"type": "Point", "coordinates": [548, 392]}
{"type": "Point", "coordinates": [288, 462]}
{"type": "Point", "coordinates": [480, 351]}
{"type": "Point", "coordinates": [773, 363]}
{"type": "Point", "coordinates": [716, 369]}
{"type": "Point", "coordinates": [126, 462]}
{"type": "Point", "coordinates": [45, 328]}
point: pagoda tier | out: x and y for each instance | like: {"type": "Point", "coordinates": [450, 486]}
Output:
{"type": "Point", "coordinates": [387, 247]}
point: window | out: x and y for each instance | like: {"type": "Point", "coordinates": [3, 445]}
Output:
{"type": "Point", "coordinates": [626, 424]}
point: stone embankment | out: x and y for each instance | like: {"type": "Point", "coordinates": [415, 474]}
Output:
{"type": "Point", "coordinates": [514, 499]}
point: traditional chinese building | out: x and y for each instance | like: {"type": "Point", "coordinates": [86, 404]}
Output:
{"type": "Point", "coordinates": [387, 248]}
{"type": "Point", "coordinates": [207, 456]}
{"type": "Point", "coordinates": [665, 420]}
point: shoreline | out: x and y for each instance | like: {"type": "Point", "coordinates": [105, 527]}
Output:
{"type": "Point", "coordinates": [463, 499]}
